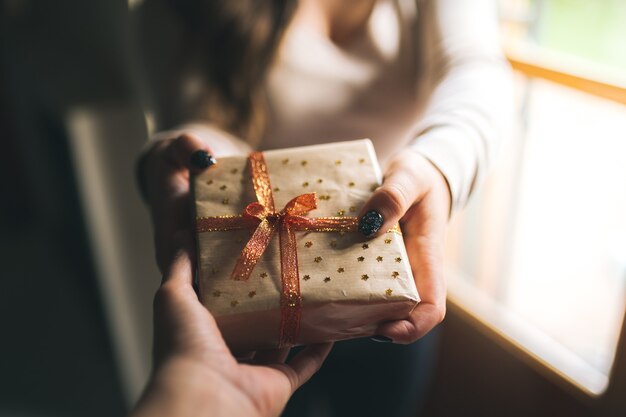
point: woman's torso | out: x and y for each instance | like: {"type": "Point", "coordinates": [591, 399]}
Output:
{"type": "Point", "coordinates": [321, 92]}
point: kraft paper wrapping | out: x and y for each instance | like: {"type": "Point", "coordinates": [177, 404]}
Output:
{"type": "Point", "coordinates": [349, 283]}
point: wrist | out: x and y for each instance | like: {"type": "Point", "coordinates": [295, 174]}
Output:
{"type": "Point", "coordinates": [438, 187]}
{"type": "Point", "coordinates": [174, 390]}
{"type": "Point", "coordinates": [221, 142]}
{"type": "Point", "coordinates": [441, 187]}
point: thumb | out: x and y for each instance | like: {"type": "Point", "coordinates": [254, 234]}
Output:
{"type": "Point", "coordinates": [389, 202]}
{"type": "Point", "coordinates": [180, 268]}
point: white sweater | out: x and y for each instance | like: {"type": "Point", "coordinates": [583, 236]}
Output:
{"type": "Point", "coordinates": [426, 74]}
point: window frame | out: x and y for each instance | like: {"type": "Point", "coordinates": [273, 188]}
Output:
{"type": "Point", "coordinates": [537, 63]}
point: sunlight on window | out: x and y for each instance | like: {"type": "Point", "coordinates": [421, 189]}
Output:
{"type": "Point", "coordinates": [569, 254]}
{"type": "Point", "coordinates": [545, 239]}
{"type": "Point", "coordinates": [540, 252]}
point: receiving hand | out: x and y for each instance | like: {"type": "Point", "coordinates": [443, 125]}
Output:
{"type": "Point", "coordinates": [416, 194]}
{"type": "Point", "coordinates": [195, 373]}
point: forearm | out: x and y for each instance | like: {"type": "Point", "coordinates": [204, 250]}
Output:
{"type": "Point", "coordinates": [469, 117]}
{"type": "Point", "coordinates": [219, 141]}
{"type": "Point", "coordinates": [469, 81]}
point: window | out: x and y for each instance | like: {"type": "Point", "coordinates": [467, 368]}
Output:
{"type": "Point", "coordinates": [539, 255]}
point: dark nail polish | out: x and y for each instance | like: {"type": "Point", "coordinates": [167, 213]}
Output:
{"type": "Point", "coordinates": [202, 159]}
{"type": "Point", "coordinates": [381, 339]}
{"type": "Point", "coordinates": [370, 223]}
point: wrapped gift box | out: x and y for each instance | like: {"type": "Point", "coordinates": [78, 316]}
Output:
{"type": "Point", "coordinates": [348, 284]}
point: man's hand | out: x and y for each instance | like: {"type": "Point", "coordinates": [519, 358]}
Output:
{"type": "Point", "coordinates": [194, 372]}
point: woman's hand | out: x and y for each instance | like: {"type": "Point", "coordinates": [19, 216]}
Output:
{"type": "Point", "coordinates": [195, 373]}
{"type": "Point", "coordinates": [163, 173]}
{"type": "Point", "coordinates": [416, 194]}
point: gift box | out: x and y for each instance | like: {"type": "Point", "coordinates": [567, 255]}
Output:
{"type": "Point", "coordinates": [280, 260]}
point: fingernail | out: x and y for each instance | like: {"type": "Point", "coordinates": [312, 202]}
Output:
{"type": "Point", "coordinates": [370, 223]}
{"type": "Point", "coordinates": [381, 339]}
{"type": "Point", "coordinates": [202, 159]}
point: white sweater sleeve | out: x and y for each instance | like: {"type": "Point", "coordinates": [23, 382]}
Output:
{"type": "Point", "coordinates": [470, 85]}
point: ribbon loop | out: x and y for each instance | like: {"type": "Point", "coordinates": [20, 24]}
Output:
{"type": "Point", "coordinates": [256, 210]}
{"type": "Point", "coordinates": [260, 239]}
{"type": "Point", "coordinates": [300, 205]}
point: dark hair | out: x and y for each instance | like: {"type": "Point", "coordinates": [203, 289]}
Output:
{"type": "Point", "coordinates": [234, 42]}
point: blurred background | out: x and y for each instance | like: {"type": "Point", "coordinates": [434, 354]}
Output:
{"type": "Point", "coordinates": [536, 263]}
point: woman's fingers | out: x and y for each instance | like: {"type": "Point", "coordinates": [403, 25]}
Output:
{"type": "Point", "coordinates": [160, 165]}
{"type": "Point", "coordinates": [416, 192]}
{"type": "Point", "coordinates": [424, 232]}
{"type": "Point", "coordinates": [163, 170]}
{"type": "Point", "coordinates": [390, 201]}
{"type": "Point", "coordinates": [428, 313]}
{"type": "Point", "coordinates": [168, 165]}
{"type": "Point", "coordinates": [190, 152]}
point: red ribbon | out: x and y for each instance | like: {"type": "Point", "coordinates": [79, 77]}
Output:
{"type": "Point", "coordinates": [262, 214]}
